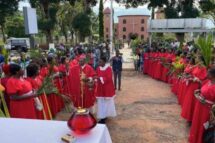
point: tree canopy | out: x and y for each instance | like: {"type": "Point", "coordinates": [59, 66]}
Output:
{"type": "Point", "coordinates": [7, 8]}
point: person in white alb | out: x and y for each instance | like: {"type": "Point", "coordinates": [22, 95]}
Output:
{"type": "Point", "coordinates": [105, 92]}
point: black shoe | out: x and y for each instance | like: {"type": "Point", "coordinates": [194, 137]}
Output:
{"type": "Point", "coordinates": [102, 121]}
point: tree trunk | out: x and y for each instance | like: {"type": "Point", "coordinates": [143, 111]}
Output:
{"type": "Point", "coordinates": [153, 13]}
{"type": "Point", "coordinates": [49, 38]}
{"type": "Point", "coordinates": [180, 37]}
{"type": "Point", "coordinates": [3, 34]}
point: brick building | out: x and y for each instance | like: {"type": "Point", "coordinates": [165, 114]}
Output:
{"type": "Point", "coordinates": [130, 22]}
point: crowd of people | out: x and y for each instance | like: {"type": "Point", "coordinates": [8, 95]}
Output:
{"type": "Point", "coordinates": [191, 81]}
{"type": "Point", "coordinates": [41, 88]}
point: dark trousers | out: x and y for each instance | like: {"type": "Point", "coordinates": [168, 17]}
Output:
{"type": "Point", "coordinates": [117, 79]}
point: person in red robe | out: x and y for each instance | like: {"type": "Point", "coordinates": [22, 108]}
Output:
{"type": "Point", "coordinates": [81, 86]}
{"type": "Point", "coordinates": [202, 110]}
{"type": "Point", "coordinates": [105, 92]}
{"type": "Point", "coordinates": [166, 65]}
{"type": "Point", "coordinates": [146, 61]}
{"type": "Point", "coordinates": [55, 101]}
{"type": "Point", "coordinates": [36, 82]}
{"type": "Point", "coordinates": [185, 80]}
{"type": "Point", "coordinates": [21, 95]}
{"type": "Point", "coordinates": [199, 74]}
{"type": "Point", "coordinates": [63, 69]}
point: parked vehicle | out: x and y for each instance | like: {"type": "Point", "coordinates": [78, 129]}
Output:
{"type": "Point", "coordinates": [18, 44]}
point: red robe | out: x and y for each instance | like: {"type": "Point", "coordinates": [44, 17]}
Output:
{"type": "Point", "coordinates": [55, 101]}
{"type": "Point", "coordinates": [20, 108]}
{"type": "Point", "coordinates": [165, 70]}
{"type": "Point", "coordinates": [44, 114]}
{"type": "Point", "coordinates": [189, 98]}
{"type": "Point", "coordinates": [73, 63]}
{"type": "Point", "coordinates": [183, 86]}
{"type": "Point", "coordinates": [105, 86]}
{"type": "Point", "coordinates": [201, 113]}
{"type": "Point", "coordinates": [158, 67]}
{"type": "Point", "coordinates": [65, 80]}
{"type": "Point", "coordinates": [88, 98]}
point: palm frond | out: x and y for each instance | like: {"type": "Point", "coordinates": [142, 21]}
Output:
{"type": "Point", "coordinates": [205, 46]}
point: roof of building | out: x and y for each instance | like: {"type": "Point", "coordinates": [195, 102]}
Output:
{"type": "Point", "coordinates": [130, 12]}
{"type": "Point", "coordinates": [107, 10]}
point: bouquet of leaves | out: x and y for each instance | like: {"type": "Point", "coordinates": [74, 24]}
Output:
{"type": "Point", "coordinates": [205, 46]}
{"type": "Point", "coordinates": [5, 53]}
{"type": "Point", "coordinates": [48, 86]}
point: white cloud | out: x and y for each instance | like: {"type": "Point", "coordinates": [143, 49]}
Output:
{"type": "Point", "coordinates": [23, 4]}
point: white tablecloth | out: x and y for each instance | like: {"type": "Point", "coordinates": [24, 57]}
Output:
{"type": "Point", "coordinates": [39, 131]}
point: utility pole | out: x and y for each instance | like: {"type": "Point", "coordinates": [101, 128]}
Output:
{"type": "Point", "coordinates": [111, 27]}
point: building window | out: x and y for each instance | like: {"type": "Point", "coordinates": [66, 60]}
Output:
{"type": "Point", "coordinates": [142, 28]}
{"type": "Point", "coordinates": [124, 29]}
{"type": "Point", "coordinates": [142, 21]}
{"type": "Point", "coordinates": [107, 30]}
{"type": "Point", "coordinates": [124, 21]}
{"type": "Point", "coordinates": [124, 37]}
{"type": "Point", "coordinates": [107, 36]}
{"type": "Point", "coordinates": [142, 37]}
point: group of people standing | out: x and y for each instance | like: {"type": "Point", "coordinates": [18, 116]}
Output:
{"type": "Point", "coordinates": [192, 82]}
{"type": "Point", "coordinates": [75, 79]}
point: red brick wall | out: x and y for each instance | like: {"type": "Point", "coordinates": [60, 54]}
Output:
{"type": "Point", "coordinates": [133, 25]}
{"type": "Point", "coordinates": [107, 26]}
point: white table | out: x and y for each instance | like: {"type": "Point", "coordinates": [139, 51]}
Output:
{"type": "Point", "coordinates": [40, 131]}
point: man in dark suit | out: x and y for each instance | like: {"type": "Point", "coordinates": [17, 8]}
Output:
{"type": "Point", "coordinates": [117, 61]}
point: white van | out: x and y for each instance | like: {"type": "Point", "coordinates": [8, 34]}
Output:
{"type": "Point", "coordinates": [19, 44]}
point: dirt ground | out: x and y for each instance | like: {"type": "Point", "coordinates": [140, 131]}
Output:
{"type": "Point", "coordinates": [147, 113]}
{"type": "Point", "coordinates": [147, 110]}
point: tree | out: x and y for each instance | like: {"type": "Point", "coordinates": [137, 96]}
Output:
{"type": "Point", "coordinates": [47, 10]}
{"type": "Point", "coordinates": [156, 3]}
{"type": "Point", "coordinates": [7, 8]}
{"type": "Point", "coordinates": [65, 17]}
{"type": "Point", "coordinates": [208, 8]}
{"type": "Point", "coordinates": [82, 25]}
{"type": "Point", "coordinates": [101, 21]}
{"type": "Point", "coordinates": [15, 26]}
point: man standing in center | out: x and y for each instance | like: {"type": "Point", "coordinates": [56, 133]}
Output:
{"type": "Point", "coordinates": [82, 87]}
{"type": "Point", "coordinates": [117, 69]}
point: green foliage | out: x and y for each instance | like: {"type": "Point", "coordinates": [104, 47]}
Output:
{"type": "Point", "coordinates": [6, 54]}
{"type": "Point", "coordinates": [47, 10]}
{"type": "Point", "coordinates": [7, 8]}
{"type": "Point", "coordinates": [15, 26]}
{"type": "Point", "coordinates": [208, 9]}
{"type": "Point", "coordinates": [101, 21]}
{"type": "Point", "coordinates": [205, 46]}
{"type": "Point", "coordinates": [48, 87]}
{"type": "Point", "coordinates": [134, 44]}
{"type": "Point", "coordinates": [36, 54]}
{"type": "Point", "coordinates": [1, 113]}
{"type": "Point", "coordinates": [82, 25]}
